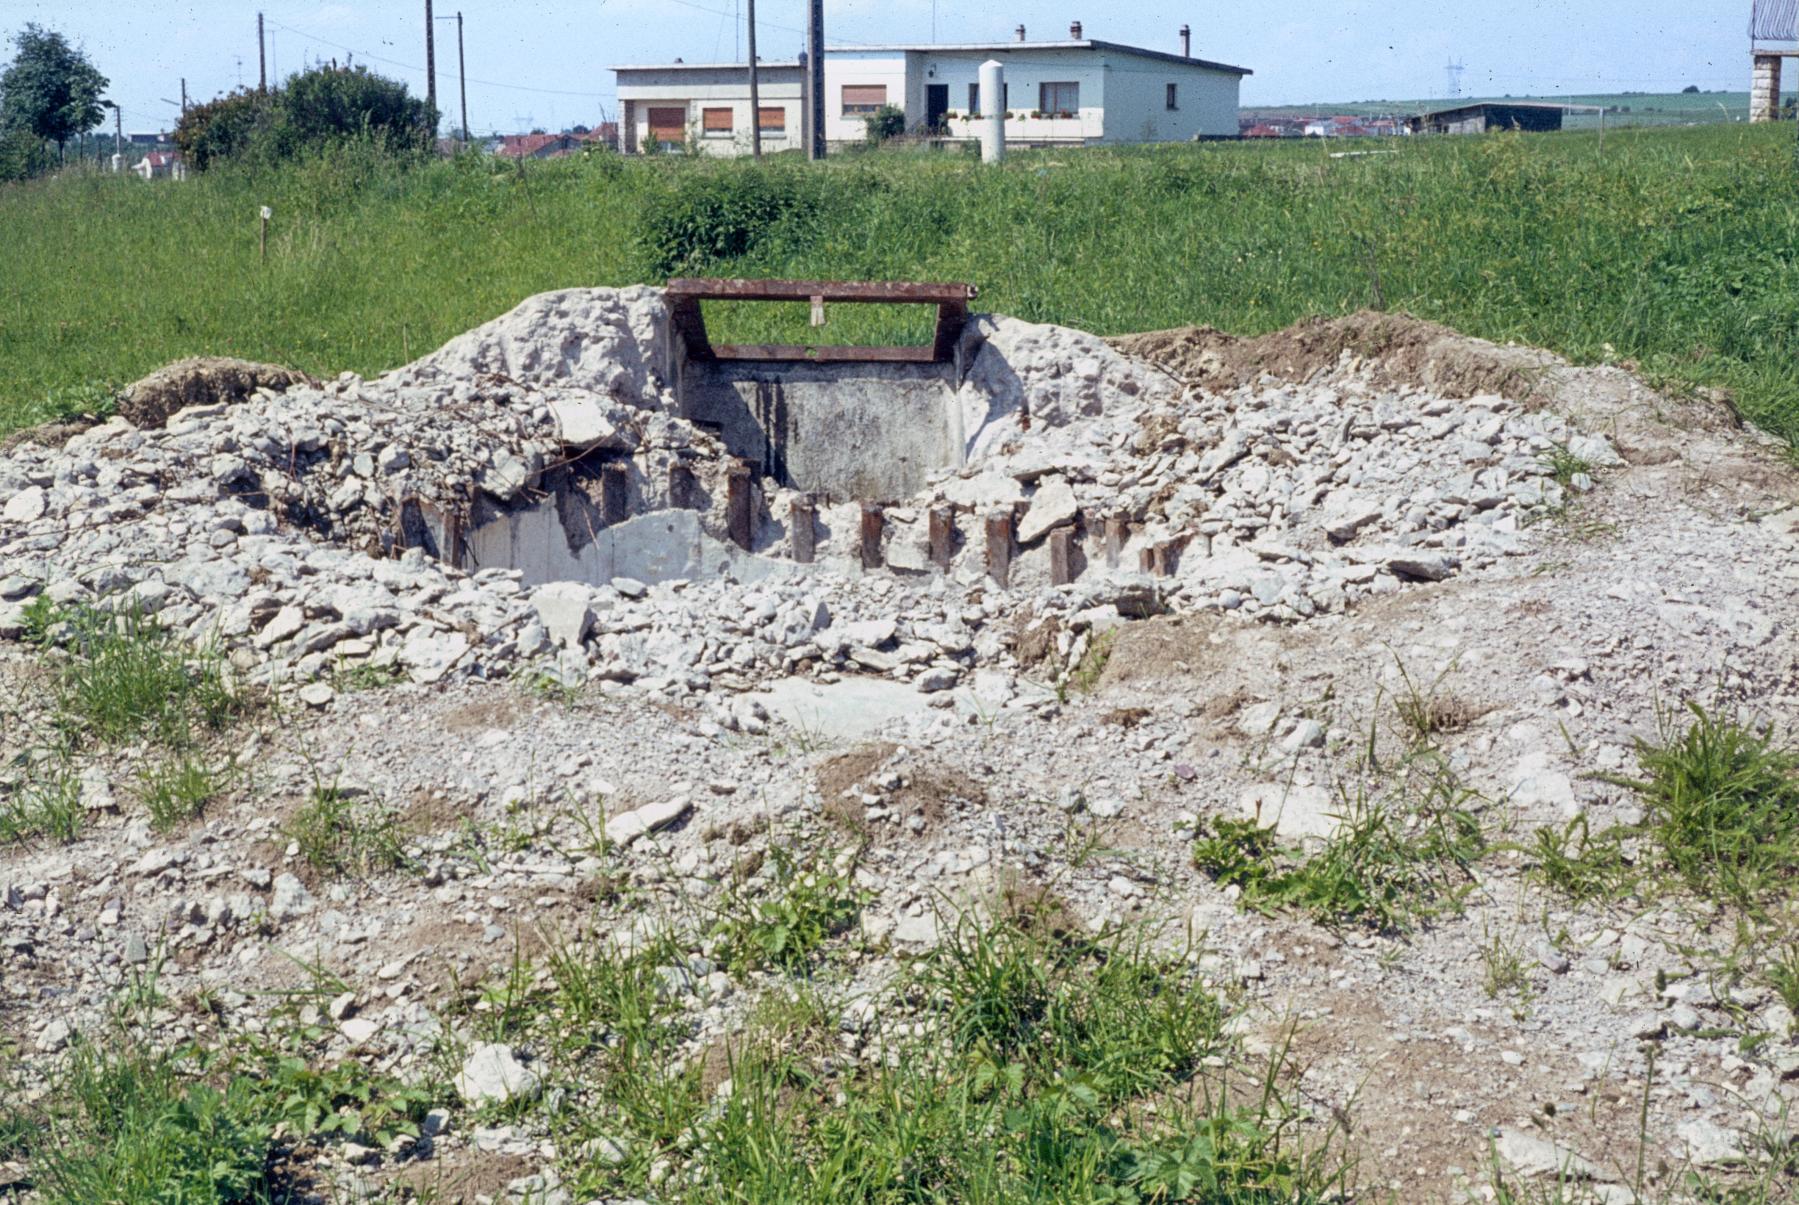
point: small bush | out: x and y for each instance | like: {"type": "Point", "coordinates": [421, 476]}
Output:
{"type": "Point", "coordinates": [1390, 865]}
{"type": "Point", "coordinates": [714, 216]}
{"type": "Point", "coordinates": [125, 677]}
{"type": "Point", "coordinates": [137, 1127]}
{"type": "Point", "coordinates": [886, 122]}
{"type": "Point", "coordinates": [1722, 805]}
{"type": "Point", "coordinates": [49, 807]}
{"type": "Point", "coordinates": [804, 911]}
{"type": "Point", "coordinates": [339, 834]}
{"type": "Point", "coordinates": [23, 156]}
{"type": "Point", "coordinates": [178, 790]}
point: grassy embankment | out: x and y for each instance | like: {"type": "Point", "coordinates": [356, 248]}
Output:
{"type": "Point", "coordinates": [1674, 248]}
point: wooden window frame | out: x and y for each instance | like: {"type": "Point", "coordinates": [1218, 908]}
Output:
{"type": "Point", "coordinates": [1174, 98]}
{"type": "Point", "coordinates": [1049, 110]}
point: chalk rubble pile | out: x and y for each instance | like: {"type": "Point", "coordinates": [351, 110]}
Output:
{"type": "Point", "coordinates": [283, 529]}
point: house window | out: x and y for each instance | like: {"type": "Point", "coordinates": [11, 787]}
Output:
{"type": "Point", "coordinates": [772, 121]}
{"type": "Point", "coordinates": [1174, 97]}
{"type": "Point", "coordinates": [1059, 100]}
{"type": "Point", "coordinates": [859, 100]}
{"type": "Point", "coordinates": [974, 100]}
{"type": "Point", "coordinates": [716, 123]}
{"type": "Point", "coordinates": [668, 125]}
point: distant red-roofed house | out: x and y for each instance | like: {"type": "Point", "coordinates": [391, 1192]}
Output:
{"type": "Point", "coordinates": [554, 146]}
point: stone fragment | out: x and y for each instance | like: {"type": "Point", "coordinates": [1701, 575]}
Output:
{"type": "Point", "coordinates": [492, 1074]}
{"type": "Point", "coordinates": [1531, 1154]}
{"type": "Point", "coordinates": [627, 827]}
{"type": "Point", "coordinates": [1052, 506]}
{"type": "Point", "coordinates": [26, 506]}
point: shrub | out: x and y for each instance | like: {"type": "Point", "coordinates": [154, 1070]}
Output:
{"type": "Point", "coordinates": [23, 155]}
{"type": "Point", "coordinates": [224, 128]}
{"type": "Point", "coordinates": [725, 213]}
{"type": "Point", "coordinates": [884, 123]}
{"type": "Point", "coordinates": [313, 109]}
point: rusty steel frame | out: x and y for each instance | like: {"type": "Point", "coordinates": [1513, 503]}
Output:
{"type": "Point", "coordinates": [686, 294]}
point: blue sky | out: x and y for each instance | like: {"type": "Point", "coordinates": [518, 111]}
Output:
{"type": "Point", "coordinates": [542, 62]}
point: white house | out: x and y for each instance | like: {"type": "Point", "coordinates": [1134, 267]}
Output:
{"type": "Point", "coordinates": [708, 105]}
{"type": "Point", "coordinates": [1065, 93]}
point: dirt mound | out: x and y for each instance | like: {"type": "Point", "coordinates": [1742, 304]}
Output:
{"type": "Point", "coordinates": [200, 381]}
{"type": "Point", "coordinates": [1406, 351]}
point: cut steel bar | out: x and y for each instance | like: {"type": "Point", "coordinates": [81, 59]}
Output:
{"type": "Point", "coordinates": [686, 293]}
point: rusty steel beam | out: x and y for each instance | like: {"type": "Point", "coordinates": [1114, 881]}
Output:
{"type": "Point", "coordinates": [685, 295]}
{"type": "Point", "coordinates": [740, 516]}
{"type": "Point", "coordinates": [825, 353]}
{"type": "Point", "coordinates": [800, 531]}
{"type": "Point", "coordinates": [868, 292]}
{"type": "Point", "coordinates": [873, 525]}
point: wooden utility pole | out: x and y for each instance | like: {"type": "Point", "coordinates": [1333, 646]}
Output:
{"type": "Point", "coordinates": [431, 63]}
{"type": "Point", "coordinates": [262, 59]}
{"type": "Point", "coordinates": [461, 77]}
{"type": "Point", "coordinates": [815, 67]}
{"type": "Point", "coordinates": [755, 90]}
{"type": "Point", "coordinates": [184, 96]}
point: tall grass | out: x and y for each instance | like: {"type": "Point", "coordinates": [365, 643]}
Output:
{"type": "Point", "coordinates": [1676, 248]}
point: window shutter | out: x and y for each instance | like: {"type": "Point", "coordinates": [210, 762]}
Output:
{"type": "Point", "coordinates": [716, 121]}
{"type": "Point", "coordinates": [668, 125]}
{"type": "Point", "coordinates": [773, 120]}
{"type": "Point", "coordinates": [864, 94]}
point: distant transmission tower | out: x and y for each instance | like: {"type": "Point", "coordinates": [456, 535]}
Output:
{"type": "Point", "coordinates": [1454, 71]}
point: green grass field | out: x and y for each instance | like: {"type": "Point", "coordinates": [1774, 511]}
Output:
{"type": "Point", "coordinates": [1674, 248]}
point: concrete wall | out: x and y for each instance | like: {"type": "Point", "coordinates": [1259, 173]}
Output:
{"type": "Point", "coordinates": [661, 545]}
{"type": "Point", "coordinates": [697, 89]}
{"type": "Point", "coordinates": [874, 432]}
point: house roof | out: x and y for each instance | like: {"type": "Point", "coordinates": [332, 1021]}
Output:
{"type": "Point", "coordinates": [964, 48]}
{"type": "Point", "coordinates": [1475, 105]}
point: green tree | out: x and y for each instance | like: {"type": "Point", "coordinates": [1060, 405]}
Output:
{"type": "Point", "coordinates": [50, 89]}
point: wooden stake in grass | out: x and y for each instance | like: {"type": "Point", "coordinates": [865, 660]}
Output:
{"type": "Point", "coordinates": [262, 243]}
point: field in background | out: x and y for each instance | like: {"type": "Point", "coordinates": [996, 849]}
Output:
{"type": "Point", "coordinates": [1675, 248]}
{"type": "Point", "coordinates": [1626, 108]}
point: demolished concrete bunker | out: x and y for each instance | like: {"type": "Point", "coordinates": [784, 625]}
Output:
{"type": "Point", "coordinates": [787, 459]}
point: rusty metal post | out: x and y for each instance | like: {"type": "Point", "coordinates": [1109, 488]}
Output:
{"type": "Point", "coordinates": [1118, 532]}
{"type": "Point", "coordinates": [739, 515]}
{"type": "Point", "coordinates": [873, 524]}
{"type": "Point", "coordinates": [1061, 556]}
{"type": "Point", "coordinates": [943, 536]}
{"type": "Point", "coordinates": [800, 532]}
{"type": "Point", "coordinates": [999, 545]}
{"type": "Point", "coordinates": [615, 494]}
{"type": "Point", "coordinates": [681, 487]}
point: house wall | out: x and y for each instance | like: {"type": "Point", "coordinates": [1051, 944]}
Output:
{"type": "Point", "coordinates": [696, 91]}
{"type": "Point", "coordinates": [1136, 94]}
{"type": "Point", "coordinates": [1123, 96]}
{"type": "Point", "coordinates": [888, 68]}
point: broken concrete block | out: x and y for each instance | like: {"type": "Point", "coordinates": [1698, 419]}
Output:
{"type": "Point", "coordinates": [1052, 506]}
{"type": "Point", "coordinates": [566, 609]}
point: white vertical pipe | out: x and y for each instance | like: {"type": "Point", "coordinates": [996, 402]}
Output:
{"type": "Point", "coordinates": [993, 112]}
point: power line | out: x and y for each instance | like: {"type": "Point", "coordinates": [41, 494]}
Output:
{"type": "Point", "coordinates": [415, 67]}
